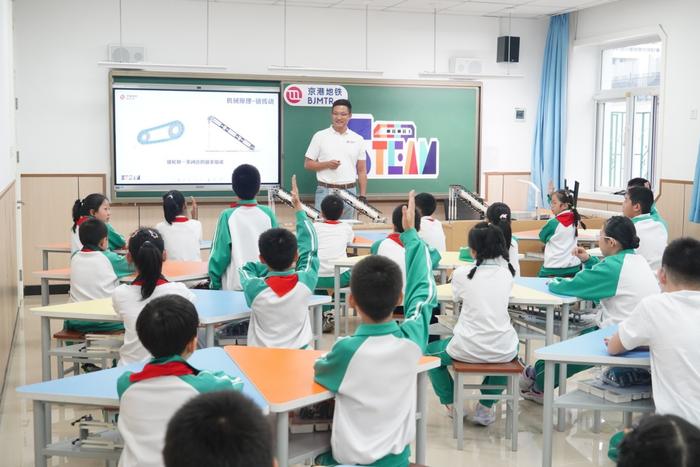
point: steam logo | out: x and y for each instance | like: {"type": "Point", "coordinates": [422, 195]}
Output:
{"type": "Point", "coordinates": [293, 94]}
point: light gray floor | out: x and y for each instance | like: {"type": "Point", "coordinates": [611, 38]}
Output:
{"type": "Point", "coordinates": [578, 446]}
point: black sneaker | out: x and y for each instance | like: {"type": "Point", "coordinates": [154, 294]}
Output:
{"type": "Point", "coordinates": [328, 321]}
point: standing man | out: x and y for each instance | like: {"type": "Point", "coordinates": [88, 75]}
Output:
{"type": "Point", "coordinates": [337, 155]}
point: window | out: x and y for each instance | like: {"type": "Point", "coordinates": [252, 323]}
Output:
{"type": "Point", "coordinates": [627, 108]}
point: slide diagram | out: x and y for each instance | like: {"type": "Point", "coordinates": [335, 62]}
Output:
{"type": "Point", "coordinates": [161, 133]}
{"type": "Point", "coordinates": [216, 123]}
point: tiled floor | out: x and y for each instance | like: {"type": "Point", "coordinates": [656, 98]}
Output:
{"type": "Point", "coordinates": [577, 446]}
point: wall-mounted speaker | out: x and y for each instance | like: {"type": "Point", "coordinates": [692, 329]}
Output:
{"type": "Point", "coordinates": [508, 49]}
{"type": "Point", "coordinates": [127, 54]}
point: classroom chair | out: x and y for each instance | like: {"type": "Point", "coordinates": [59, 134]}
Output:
{"type": "Point", "coordinates": [511, 370]}
{"type": "Point", "coordinates": [72, 348]}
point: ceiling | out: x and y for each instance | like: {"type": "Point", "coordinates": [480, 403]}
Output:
{"type": "Point", "coordinates": [500, 8]}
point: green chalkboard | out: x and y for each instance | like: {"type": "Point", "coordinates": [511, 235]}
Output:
{"type": "Point", "coordinates": [448, 113]}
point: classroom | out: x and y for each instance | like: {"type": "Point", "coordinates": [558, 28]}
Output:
{"type": "Point", "coordinates": [236, 178]}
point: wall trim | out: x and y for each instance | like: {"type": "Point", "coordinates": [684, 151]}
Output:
{"type": "Point", "coordinates": [7, 188]}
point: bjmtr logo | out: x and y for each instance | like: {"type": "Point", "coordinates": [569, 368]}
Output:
{"type": "Point", "coordinates": [293, 94]}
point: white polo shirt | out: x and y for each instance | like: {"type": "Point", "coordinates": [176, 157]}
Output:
{"type": "Point", "coordinates": [333, 239]}
{"type": "Point", "coordinates": [328, 145]}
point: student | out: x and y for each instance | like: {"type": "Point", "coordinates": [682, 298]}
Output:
{"type": "Point", "coordinates": [181, 234]}
{"type": "Point", "coordinates": [499, 215]}
{"type": "Point", "coordinates": [653, 212]}
{"type": "Point", "coordinates": [333, 239]}
{"type": "Point", "coordinates": [167, 327]}
{"type": "Point", "coordinates": [392, 247]}
{"type": "Point", "coordinates": [373, 372]}
{"type": "Point", "coordinates": [669, 323]}
{"type": "Point", "coordinates": [220, 429]}
{"type": "Point", "coordinates": [430, 228]}
{"type": "Point", "coordinates": [665, 440]}
{"type": "Point", "coordinates": [147, 252]}
{"type": "Point", "coordinates": [278, 288]}
{"type": "Point", "coordinates": [559, 237]}
{"type": "Point", "coordinates": [94, 273]}
{"type": "Point", "coordinates": [653, 235]}
{"type": "Point", "coordinates": [237, 231]}
{"type": "Point", "coordinates": [94, 205]}
{"type": "Point", "coordinates": [483, 333]}
{"type": "Point", "coordinates": [618, 283]}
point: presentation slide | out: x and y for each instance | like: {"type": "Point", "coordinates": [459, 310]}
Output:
{"type": "Point", "coordinates": [193, 137]}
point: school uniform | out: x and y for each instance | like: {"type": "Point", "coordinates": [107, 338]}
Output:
{"type": "Point", "coordinates": [182, 238]}
{"type": "Point", "coordinates": [94, 274]}
{"type": "Point", "coordinates": [656, 215]}
{"type": "Point", "coordinates": [279, 300]}
{"type": "Point", "coordinates": [333, 239]}
{"type": "Point", "coordinates": [115, 240]}
{"type": "Point", "coordinates": [653, 238]}
{"type": "Point", "coordinates": [373, 374]}
{"type": "Point", "coordinates": [669, 323]}
{"type": "Point", "coordinates": [617, 282]}
{"type": "Point", "coordinates": [483, 333]}
{"type": "Point", "coordinates": [392, 247]}
{"type": "Point", "coordinates": [432, 233]}
{"type": "Point", "coordinates": [127, 303]}
{"type": "Point", "coordinates": [559, 238]}
{"type": "Point", "coordinates": [148, 399]}
{"type": "Point", "coordinates": [236, 241]}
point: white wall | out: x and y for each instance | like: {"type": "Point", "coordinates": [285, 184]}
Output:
{"type": "Point", "coordinates": [679, 133]}
{"type": "Point", "coordinates": [62, 121]}
{"type": "Point", "coordinates": [7, 128]}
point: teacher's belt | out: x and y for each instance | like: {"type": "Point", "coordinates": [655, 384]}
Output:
{"type": "Point", "coordinates": [331, 185]}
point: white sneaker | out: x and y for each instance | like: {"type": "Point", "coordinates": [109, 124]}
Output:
{"type": "Point", "coordinates": [483, 415]}
{"type": "Point", "coordinates": [527, 378]}
{"type": "Point", "coordinates": [533, 395]}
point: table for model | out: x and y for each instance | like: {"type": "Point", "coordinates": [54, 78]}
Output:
{"type": "Point", "coordinates": [587, 349]}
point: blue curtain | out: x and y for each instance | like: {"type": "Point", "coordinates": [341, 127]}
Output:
{"type": "Point", "coordinates": [694, 214]}
{"type": "Point", "coordinates": [550, 126]}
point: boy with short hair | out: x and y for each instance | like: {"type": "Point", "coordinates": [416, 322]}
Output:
{"type": "Point", "coordinates": [643, 182]}
{"type": "Point", "coordinates": [669, 323]}
{"type": "Point", "coordinates": [430, 228]}
{"type": "Point", "coordinates": [94, 273]}
{"type": "Point", "coordinates": [167, 327]}
{"type": "Point", "coordinates": [237, 231]}
{"type": "Point", "coordinates": [372, 424]}
{"type": "Point", "coordinates": [221, 429]}
{"type": "Point", "coordinates": [653, 235]}
{"type": "Point", "coordinates": [333, 239]}
{"type": "Point", "coordinates": [278, 292]}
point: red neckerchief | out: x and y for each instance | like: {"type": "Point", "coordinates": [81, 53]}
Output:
{"type": "Point", "coordinates": [180, 219]}
{"type": "Point", "coordinates": [566, 218]}
{"type": "Point", "coordinates": [429, 218]}
{"type": "Point", "coordinates": [246, 205]}
{"type": "Point", "coordinates": [282, 285]}
{"type": "Point", "coordinates": [156, 370]}
{"type": "Point", "coordinates": [160, 281]}
{"type": "Point", "coordinates": [88, 250]}
{"type": "Point", "coordinates": [331, 222]}
{"type": "Point", "coordinates": [81, 219]}
{"type": "Point", "coordinates": [395, 237]}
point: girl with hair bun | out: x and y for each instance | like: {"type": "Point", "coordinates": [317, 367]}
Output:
{"type": "Point", "coordinates": [181, 234]}
{"type": "Point", "coordinates": [95, 205]}
{"type": "Point", "coordinates": [618, 282]}
{"type": "Point", "coordinates": [499, 215]}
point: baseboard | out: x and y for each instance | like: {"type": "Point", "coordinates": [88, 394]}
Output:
{"type": "Point", "coordinates": [53, 289]}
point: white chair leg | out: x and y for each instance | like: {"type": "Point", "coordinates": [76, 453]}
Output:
{"type": "Point", "coordinates": [458, 412]}
{"type": "Point", "coordinates": [509, 407]}
{"type": "Point", "coordinates": [514, 424]}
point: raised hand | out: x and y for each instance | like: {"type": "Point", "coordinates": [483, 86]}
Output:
{"type": "Point", "coordinates": [295, 194]}
{"type": "Point", "coordinates": [408, 218]}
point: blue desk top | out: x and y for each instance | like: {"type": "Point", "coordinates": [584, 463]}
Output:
{"type": "Point", "coordinates": [540, 284]}
{"type": "Point", "coordinates": [590, 348]}
{"type": "Point", "coordinates": [100, 387]}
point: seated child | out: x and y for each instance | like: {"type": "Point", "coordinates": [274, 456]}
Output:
{"type": "Point", "coordinates": [430, 228]}
{"type": "Point", "coordinates": [94, 205]}
{"type": "Point", "coordinates": [666, 440]}
{"type": "Point", "coordinates": [237, 230]}
{"type": "Point", "coordinates": [559, 237]}
{"type": "Point", "coordinates": [278, 288]}
{"type": "Point", "coordinates": [221, 429]}
{"type": "Point", "coordinates": [167, 327]}
{"type": "Point", "coordinates": [483, 333]}
{"type": "Point", "coordinates": [180, 233]}
{"type": "Point", "coordinates": [653, 235]}
{"type": "Point", "coordinates": [147, 252]}
{"type": "Point", "coordinates": [618, 282]}
{"type": "Point", "coordinates": [373, 372]}
{"type": "Point", "coordinates": [95, 273]}
{"type": "Point", "coordinates": [392, 247]}
{"type": "Point", "coordinates": [499, 215]}
{"type": "Point", "coordinates": [669, 323]}
{"type": "Point", "coordinates": [653, 212]}
{"type": "Point", "coordinates": [333, 239]}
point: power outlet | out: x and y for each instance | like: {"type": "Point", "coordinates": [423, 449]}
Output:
{"type": "Point", "coordinates": [693, 114]}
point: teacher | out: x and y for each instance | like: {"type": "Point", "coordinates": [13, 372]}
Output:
{"type": "Point", "coordinates": [337, 155]}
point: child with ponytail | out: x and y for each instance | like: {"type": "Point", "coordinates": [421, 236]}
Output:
{"type": "Point", "coordinates": [94, 205]}
{"type": "Point", "coordinates": [499, 214]}
{"type": "Point", "coordinates": [483, 333]}
{"type": "Point", "coordinates": [181, 234]}
{"type": "Point", "coordinates": [559, 237]}
{"type": "Point", "coordinates": [147, 252]}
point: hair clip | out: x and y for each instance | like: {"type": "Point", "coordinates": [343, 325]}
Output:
{"type": "Point", "coordinates": [503, 216]}
{"type": "Point", "coordinates": [152, 233]}
{"type": "Point", "coordinates": [170, 196]}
